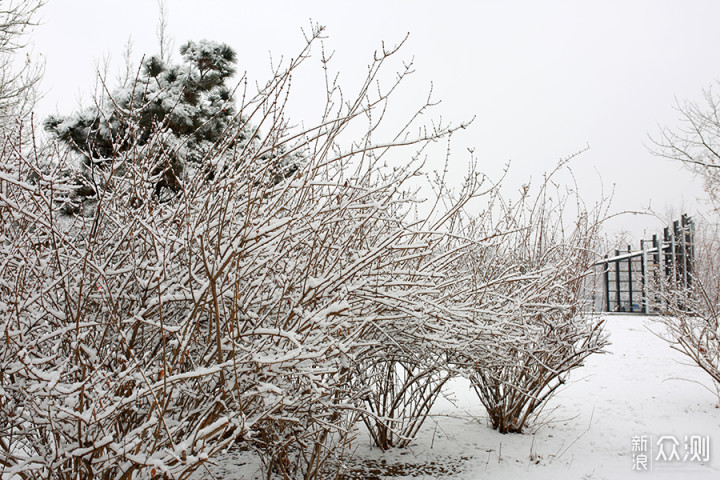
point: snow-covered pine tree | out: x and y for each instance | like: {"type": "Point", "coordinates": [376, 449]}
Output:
{"type": "Point", "coordinates": [185, 106]}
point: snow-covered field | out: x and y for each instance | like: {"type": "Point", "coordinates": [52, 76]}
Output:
{"type": "Point", "coordinates": [641, 393]}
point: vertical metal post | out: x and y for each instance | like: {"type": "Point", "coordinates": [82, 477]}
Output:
{"type": "Point", "coordinates": [679, 253]}
{"type": "Point", "coordinates": [691, 250]}
{"type": "Point", "coordinates": [673, 258]}
{"type": "Point", "coordinates": [617, 281]}
{"type": "Point", "coordinates": [656, 255]}
{"type": "Point", "coordinates": [643, 273]}
{"type": "Point", "coordinates": [673, 268]}
{"type": "Point", "coordinates": [684, 241]}
{"type": "Point", "coordinates": [630, 280]}
{"type": "Point", "coordinates": [656, 263]}
{"type": "Point", "coordinates": [606, 268]}
{"type": "Point", "coordinates": [662, 272]}
{"type": "Point", "coordinates": [664, 256]}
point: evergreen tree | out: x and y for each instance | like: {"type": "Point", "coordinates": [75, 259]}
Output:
{"type": "Point", "coordinates": [190, 103]}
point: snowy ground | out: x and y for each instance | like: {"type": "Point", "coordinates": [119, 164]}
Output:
{"type": "Point", "coordinates": [640, 388]}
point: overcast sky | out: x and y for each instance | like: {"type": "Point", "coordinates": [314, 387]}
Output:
{"type": "Point", "coordinates": [543, 78]}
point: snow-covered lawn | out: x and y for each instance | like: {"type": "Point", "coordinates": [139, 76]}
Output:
{"type": "Point", "coordinates": [640, 388]}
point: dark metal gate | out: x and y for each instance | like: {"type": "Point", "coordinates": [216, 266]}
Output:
{"type": "Point", "coordinates": [626, 274]}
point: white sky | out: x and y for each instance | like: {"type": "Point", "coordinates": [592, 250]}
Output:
{"type": "Point", "coordinates": [544, 79]}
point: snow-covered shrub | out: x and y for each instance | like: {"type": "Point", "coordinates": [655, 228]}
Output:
{"type": "Point", "coordinates": [404, 390]}
{"type": "Point", "coordinates": [421, 331]}
{"type": "Point", "coordinates": [146, 334]}
{"type": "Point", "coordinates": [526, 285]}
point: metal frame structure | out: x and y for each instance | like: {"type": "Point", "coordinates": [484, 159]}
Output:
{"type": "Point", "coordinates": [626, 274]}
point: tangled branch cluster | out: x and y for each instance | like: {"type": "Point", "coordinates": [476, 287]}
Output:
{"type": "Point", "coordinates": [144, 335]}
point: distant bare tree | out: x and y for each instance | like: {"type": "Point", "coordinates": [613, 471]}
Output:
{"type": "Point", "coordinates": [19, 77]}
{"type": "Point", "coordinates": [691, 312]}
{"type": "Point", "coordinates": [696, 142]}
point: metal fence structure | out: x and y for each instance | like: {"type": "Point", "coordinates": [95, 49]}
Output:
{"type": "Point", "coordinates": [623, 279]}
